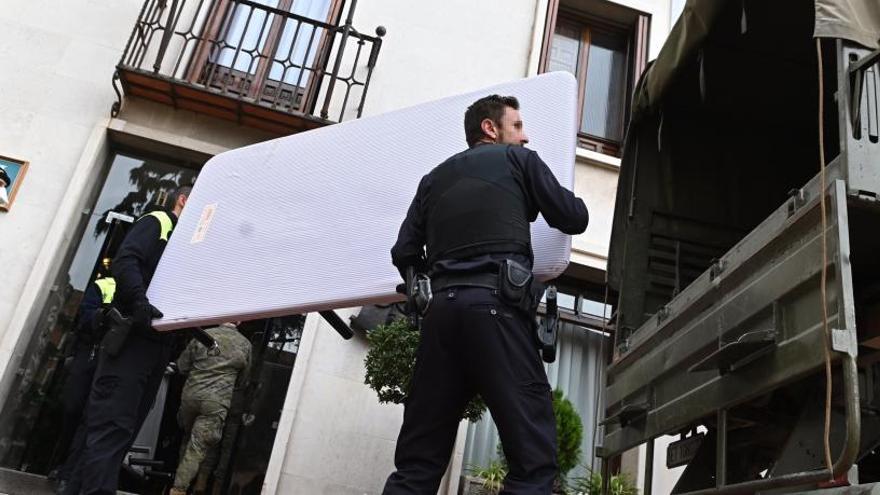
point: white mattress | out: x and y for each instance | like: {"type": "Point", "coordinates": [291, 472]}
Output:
{"type": "Point", "coordinates": [306, 222]}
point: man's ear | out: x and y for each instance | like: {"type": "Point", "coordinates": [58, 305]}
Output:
{"type": "Point", "coordinates": [489, 129]}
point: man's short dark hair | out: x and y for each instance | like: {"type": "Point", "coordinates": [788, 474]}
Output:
{"type": "Point", "coordinates": [489, 107]}
{"type": "Point", "coordinates": [177, 193]}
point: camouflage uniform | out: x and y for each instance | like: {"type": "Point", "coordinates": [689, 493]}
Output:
{"type": "Point", "coordinates": [207, 394]}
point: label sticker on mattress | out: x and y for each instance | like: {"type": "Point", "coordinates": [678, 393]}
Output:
{"type": "Point", "coordinates": [204, 223]}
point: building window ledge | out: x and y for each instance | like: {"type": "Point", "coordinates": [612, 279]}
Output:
{"type": "Point", "coordinates": [597, 159]}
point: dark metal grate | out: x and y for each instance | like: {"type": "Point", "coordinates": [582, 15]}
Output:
{"type": "Point", "coordinates": [680, 250]}
{"type": "Point", "coordinates": [187, 53]}
{"type": "Point", "coordinates": [674, 263]}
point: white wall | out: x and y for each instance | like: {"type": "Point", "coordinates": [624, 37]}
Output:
{"type": "Point", "coordinates": [338, 437]}
{"type": "Point", "coordinates": [334, 436]}
{"type": "Point", "coordinates": [595, 180]}
{"type": "Point", "coordinates": [435, 49]}
{"type": "Point", "coordinates": [56, 62]}
{"type": "Point", "coordinates": [661, 21]}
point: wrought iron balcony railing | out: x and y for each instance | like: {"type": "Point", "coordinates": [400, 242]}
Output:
{"type": "Point", "coordinates": [284, 68]}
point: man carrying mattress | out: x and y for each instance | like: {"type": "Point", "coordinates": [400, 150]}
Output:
{"type": "Point", "coordinates": [468, 228]}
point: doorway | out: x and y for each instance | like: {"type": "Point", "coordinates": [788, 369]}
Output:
{"type": "Point", "coordinates": [33, 436]}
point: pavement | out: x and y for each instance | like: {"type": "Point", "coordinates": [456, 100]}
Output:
{"type": "Point", "coordinates": [20, 483]}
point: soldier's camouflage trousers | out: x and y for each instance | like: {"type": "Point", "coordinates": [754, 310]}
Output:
{"type": "Point", "coordinates": [202, 422]}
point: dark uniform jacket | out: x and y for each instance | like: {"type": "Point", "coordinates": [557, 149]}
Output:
{"type": "Point", "coordinates": [88, 308]}
{"type": "Point", "coordinates": [136, 260]}
{"type": "Point", "coordinates": [560, 207]}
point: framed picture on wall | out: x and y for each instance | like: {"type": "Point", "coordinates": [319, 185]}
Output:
{"type": "Point", "coordinates": [12, 174]}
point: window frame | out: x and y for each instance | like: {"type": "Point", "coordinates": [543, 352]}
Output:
{"type": "Point", "coordinates": [302, 98]}
{"type": "Point", "coordinates": [636, 37]}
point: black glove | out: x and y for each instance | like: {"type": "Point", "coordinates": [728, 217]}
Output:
{"type": "Point", "coordinates": [143, 315]}
{"type": "Point", "coordinates": [97, 327]}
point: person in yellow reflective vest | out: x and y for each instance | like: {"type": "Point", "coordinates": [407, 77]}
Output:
{"type": "Point", "coordinates": [81, 369]}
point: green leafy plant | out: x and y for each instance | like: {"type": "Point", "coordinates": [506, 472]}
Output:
{"type": "Point", "coordinates": [492, 476]}
{"type": "Point", "coordinates": [569, 433]}
{"type": "Point", "coordinates": [390, 361]}
{"type": "Point", "coordinates": [621, 484]}
{"type": "Point", "coordinates": [591, 484]}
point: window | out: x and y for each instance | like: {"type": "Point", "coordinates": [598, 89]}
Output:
{"type": "Point", "coordinates": [580, 304]}
{"type": "Point", "coordinates": [606, 57]}
{"type": "Point", "coordinates": [595, 308]}
{"type": "Point", "coordinates": [262, 53]}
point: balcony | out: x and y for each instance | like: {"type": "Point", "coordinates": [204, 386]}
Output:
{"type": "Point", "coordinates": [283, 66]}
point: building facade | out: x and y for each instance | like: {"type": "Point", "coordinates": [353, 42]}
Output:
{"type": "Point", "coordinates": [111, 103]}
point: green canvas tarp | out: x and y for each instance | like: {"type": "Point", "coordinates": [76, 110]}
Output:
{"type": "Point", "coordinates": [854, 20]}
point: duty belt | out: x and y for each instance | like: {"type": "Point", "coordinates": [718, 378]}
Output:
{"type": "Point", "coordinates": [447, 280]}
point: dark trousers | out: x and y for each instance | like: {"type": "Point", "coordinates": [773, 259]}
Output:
{"type": "Point", "coordinates": [122, 393]}
{"type": "Point", "coordinates": [77, 387]}
{"type": "Point", "coordinates": [472, 342]}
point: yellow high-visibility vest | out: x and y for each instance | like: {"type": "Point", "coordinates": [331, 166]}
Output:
{"type": "Point", "coordinates": [107, 286]}
{"type": "Point", "coordinates": [165, 223]}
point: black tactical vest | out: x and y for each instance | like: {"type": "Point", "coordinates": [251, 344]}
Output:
{"type": "Point", "coordinates": [476, 205]}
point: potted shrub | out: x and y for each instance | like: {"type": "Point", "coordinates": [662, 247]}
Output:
{"type": "Point", "coordinates": [389, 364]}
{"type": "Point", "coordinates": [569, 434]}
{"type": "Point", "coordinates": [485, 480]}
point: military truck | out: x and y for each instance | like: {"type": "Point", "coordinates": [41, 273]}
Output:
{"type": "Point", "coordinates": [745, 251]}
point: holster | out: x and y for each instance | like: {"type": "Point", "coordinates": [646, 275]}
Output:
{"type": "Point", "coordinates": [418, 296]}
{"type": "Point", "coordinates": [548, 332]}
{"type": "Point", "coordinates": [517, 286]}
{"type": "Point", "coordinates": [117, 329]}
{"type": "Point", "coordinates": [421, 293]}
